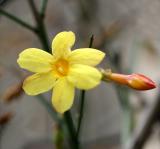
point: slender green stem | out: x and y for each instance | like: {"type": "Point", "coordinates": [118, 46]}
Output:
{"type": "Point", "coordinates": [82, 101]}
{"type": "Point", "coordinates": [41, 30]}
{"type": "Point", "coordinates": [44, 40]}
{"type": "Point", "coordinates": [17, 20]}
{"type": "Point", "coordinates": [59, 137]}
{"type": "Point", "coordinates": [42, 34]}
{"type": "Point", "coordinates": [72, 131]}
{"type": "Point", "coordinates": [81, 112]}
{"type": "Point", "coordinates": [43, 8]}
{"type": "Point", "coordinates": [91, 41]}
{"type": "Point", "coordinates": [57, 118]}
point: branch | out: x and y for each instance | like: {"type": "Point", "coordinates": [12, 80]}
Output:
{"type": "Point", "coordinates": [42, 34]}
{"type": "Point", "coordinates": [72, 131]}
{"type": "Point", "coordinates": [43, 8]}
{"type": "Point", "coordinates": [82, 101]}
{"type": "Point", "coordinates": [144, 133]}
{"type": "Point", "coordinates": [17, 20]}
{"type": "Point", "coordinates": [81, 112]}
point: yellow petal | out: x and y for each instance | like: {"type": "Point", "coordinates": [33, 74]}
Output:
{"type": "Point", "coordinates": [39, 83]}
{"type": "Point", "coordinates": [63, 95]}
{"type": "Point", "coordinates": [84, 77]}
{"type": "Point", "coordinates": [35, 60]}
{"type": "Point", "coordinates": [87, 56]}
{"type": "Point", "coordinates": [62, 43]}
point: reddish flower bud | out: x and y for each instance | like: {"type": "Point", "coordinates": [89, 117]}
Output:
{"type": "Point", "coordinates": [140, 82]}
{"type": "Point", "coordinates": [135, 81]}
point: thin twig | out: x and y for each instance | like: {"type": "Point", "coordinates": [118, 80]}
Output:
{"type": "Point", "coordinates": [44, 40]}
{"type": "Point", "coordinates": [42, 34]}
{"type": "Point", "coordinates": [34, 11]}
{"type": "Point", "coordinates": [91, 41]}
{"type": "Point", "coordinates": [144, 133]}
{"type": "Point", "coordinates": [43, 37]}
{"type": "Point", "coordinates": [81, 112]}
{"type": "Point", "coordinates": [43, 8]}
{"type": "Point", "coordinates": [72, 131]}
{"type": "Point", "coordinates": [82, 101]}
{"type": "Point", "coordinates": [4, 2]}
{"type": "Point", "coordinates": [17, 20]}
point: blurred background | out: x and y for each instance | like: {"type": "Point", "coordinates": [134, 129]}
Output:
{"type": "Point", "coordinates": [115, 117]}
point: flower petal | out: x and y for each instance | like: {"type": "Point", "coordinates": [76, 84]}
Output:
{"type": "Point", "coordinates": [35, 60]}
{"type": "Point", "coordinates": [39, 83]}
{"type": "Point", "coordinates": [84, 77]}
{"type": "Point", "coordinates": [62, 43]}
{"type": "Point", "coordinates": [63, 95]}
{"type": "Point", "coordinates": [86, 56]}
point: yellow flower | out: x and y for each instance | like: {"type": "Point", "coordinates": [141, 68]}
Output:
{"type": "Point", "coordinates": [63, 70]}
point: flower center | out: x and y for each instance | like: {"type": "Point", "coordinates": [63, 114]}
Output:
{"type": "Point", "coordinates": [62, 67]}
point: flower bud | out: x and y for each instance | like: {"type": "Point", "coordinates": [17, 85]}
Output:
{"type": "Point", "coordinates": [140, 82]}
{"type": "Point", "coordinates": [119, 78]}
{"type": "Point", "coordinates": [135, 81]}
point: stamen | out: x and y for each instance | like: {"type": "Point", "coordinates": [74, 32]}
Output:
{"type": "Point", "coordinates": [62, 67]}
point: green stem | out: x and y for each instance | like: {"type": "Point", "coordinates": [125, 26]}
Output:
{"type": "Point", "coordinates": [81, 112]}
{"type": "Point", "coordinates": [91, 41]}
{"type": "Point", "coordinates": [56, 117]}
{"type": "Point", "coordinates": [43, 8]}
{"type": "Point", "coordinates": [41, 31]}
{"type": "Point", "coordinates": [42, 34]}
{"type": "Point", "coordinates": [44, 40]}
{"type": "Point", "coordinates": [72, 131]}
{"type": "Point", "coordinates": [82, 101]}
{"type": "Point", "coordinates": [17, 20]}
